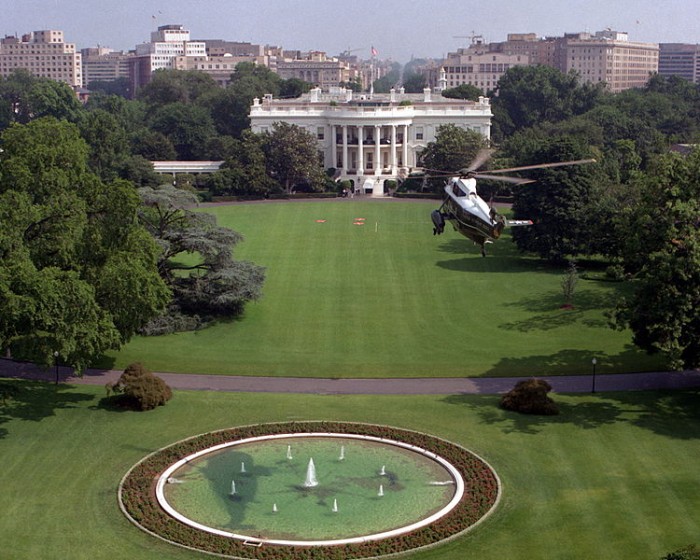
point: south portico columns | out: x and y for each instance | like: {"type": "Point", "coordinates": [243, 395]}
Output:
{"type": "Point", "coordinates": [377, 150]}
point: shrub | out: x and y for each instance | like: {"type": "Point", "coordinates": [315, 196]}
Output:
{"type": "Point", "coordinates": [691, 552]}
{"type": "Point", "coordinates": [140, 389]}
{"type": "Point", "coordinates": [530, 397]}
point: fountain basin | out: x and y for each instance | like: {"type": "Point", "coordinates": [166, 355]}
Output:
{"type": "Point", "coordinates": [347, 487]}
{"type": "Point", "coordinates": [138, 501]}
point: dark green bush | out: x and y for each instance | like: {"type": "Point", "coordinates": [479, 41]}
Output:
{"type": "Point", "coordinates": [530, 397]}
{"type": "Point", "coordinates": [690, 552]}
{"type": "Point", "coordinates": [138, 388]}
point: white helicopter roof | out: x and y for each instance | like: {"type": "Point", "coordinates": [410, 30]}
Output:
{"type": "Point", "coordinates": [463, 192]}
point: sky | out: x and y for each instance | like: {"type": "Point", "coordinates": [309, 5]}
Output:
{"type": "Point", "coordinates": [398, 29]}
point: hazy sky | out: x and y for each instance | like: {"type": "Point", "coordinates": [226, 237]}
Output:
{"type": "Point", "coordinates": [398, 29]}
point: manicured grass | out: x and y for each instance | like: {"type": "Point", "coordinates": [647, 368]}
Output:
{"type": "Point", "coordinates": [614, 476]}
{"type": "Point", "coordinates": [388, 299]}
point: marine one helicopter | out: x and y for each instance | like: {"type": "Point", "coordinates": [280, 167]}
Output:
{"type": "Point", "coordinates": [469, 214]}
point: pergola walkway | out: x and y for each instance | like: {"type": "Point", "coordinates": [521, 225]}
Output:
{"type": "Point", "coordinates": [404, 386]}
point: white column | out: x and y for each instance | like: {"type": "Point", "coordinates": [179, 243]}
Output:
{"type": "Point", "coordinates": [377, 150]}
{"type": "Point", "coordinates": [405, 145]}
{"type": "Point", "coordinates": [393, 149]}
{"type": "Point", "coordinates": [360, 155]}
{"type": "Point", "coordinates": [334, 146]}
{"type": "Point", "coordinates": [345, 149]}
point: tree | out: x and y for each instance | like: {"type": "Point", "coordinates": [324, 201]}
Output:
{"type": "Point", "coordinates": [464, 91]}
{"type": "Point", "coordinates": [107, 141]}
{"type": "Point", "coordinates": [187, 126]}
{"type": "Point", "coordinates": [388, 80]}
{"type": "Point", "coordinates": [414, 83]}
{"type": "Point", "coordinates": [77, 273]}
{"type": "Point", "coordinates": [210, 283]}
{"type": "Point", "coordinates": [454, 148]}
{"type": "Point", "coordinates": [294, 87]}
{"type": "Point", "coordinates": [558, 201]}
{"type": "Point", "coordinates": [662, 313]}
{"type": "Point", "coordinates": [176, 86]}
{"type": "Point", "coordinates": [528, 95]}
{"type": "Point", "coordinates": [244, 171]}
{"type": "Point", "coordinates": [24, 97]}
{"type": "Point", "coordinates": [292, 157]}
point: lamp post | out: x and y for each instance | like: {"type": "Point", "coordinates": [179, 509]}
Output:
{"type": "Point", "coordinates": [55, 361]}
{"type": "Point", "coordinates": [593, 362]}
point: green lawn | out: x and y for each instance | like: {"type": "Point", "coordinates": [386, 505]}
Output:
{"type": "Point", "coordinates": [613, 477]}
{"type": "Point", "coordinates": [388, 299]}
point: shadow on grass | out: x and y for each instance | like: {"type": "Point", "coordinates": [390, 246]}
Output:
{"type": "Point", "coordinates": [572, 361]}
{"type": "Point", "coordinates": [673, 414]}
{"type": "Point", "coordinates": [33, 401]}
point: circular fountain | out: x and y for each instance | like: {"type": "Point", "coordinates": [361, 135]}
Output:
{"type": "Point", "coordinates": [311, 488]}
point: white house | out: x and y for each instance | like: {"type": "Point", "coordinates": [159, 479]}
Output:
{"type": "Point", "coordinates": [369, 138]}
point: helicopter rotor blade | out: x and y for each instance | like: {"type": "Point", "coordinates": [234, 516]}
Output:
{"type": "Point", "coordinates": [543, 166]}
{"type": "Point", "coordinates": [514, 180]}
{"type": "Point", "coordinates": [481, 158]}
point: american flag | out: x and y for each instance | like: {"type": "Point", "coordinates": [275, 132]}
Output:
{"type": "Point", "coordinates": [374, 51]}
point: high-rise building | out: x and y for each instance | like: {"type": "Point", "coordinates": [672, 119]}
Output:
{"type": "Point", "coordinates": [609, 57]}
{"type": "Point", "coordinates": [480, 65]}
{"type": "Point", "coordinates": [680, 59]}
{"type": "Point", "coordinates": [315, 68]}
{"type": "Point", "coordinates": [44, 54]}
{"type": "Point", "coordinates": [101, 64]}
{"type": "Point", "coordinates": [167, 44]}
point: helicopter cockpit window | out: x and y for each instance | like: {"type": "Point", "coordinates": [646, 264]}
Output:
{"type": "Point", "coordinates": [457, 191]}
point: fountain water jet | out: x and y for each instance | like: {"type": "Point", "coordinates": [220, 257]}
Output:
{"type": "Point", "coordinates": [383, 471]}
{"type": "Point", "coordinates": [335, 505]}
{"type": "Point", "coordinates": [381, 490]}
{"type": "Point", "coordinates": [242, 467]}
{"type": "Point", "coordinates": [289, 452]}
{"type": "Point", "coordinates": [311, 481]}
{"type": "Point", "coordinates": [274, 508]}
{"type": "Point", "coordinates": [233, 488]}
{"type": "Point", "coordinates": [342, 453]}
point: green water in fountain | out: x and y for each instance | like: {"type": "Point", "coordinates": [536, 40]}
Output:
{"type": "Point", "coordinates": [202, 491]}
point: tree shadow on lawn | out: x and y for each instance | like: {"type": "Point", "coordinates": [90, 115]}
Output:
{"type": "Point", "coordinates": [669, 413]}
{"type": "Point", "coordinates": [35, 400]}
{"type": "Point", "coordinates": [570, 361]}
{"type": "Point", "coordinates": [551, 314]}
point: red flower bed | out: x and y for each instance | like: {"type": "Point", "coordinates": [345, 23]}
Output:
{"type": "Point", "coordinates": [138, 500]}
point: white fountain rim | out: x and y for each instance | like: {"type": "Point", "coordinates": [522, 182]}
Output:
{"type": "Point", "coordinates": [459, 491]}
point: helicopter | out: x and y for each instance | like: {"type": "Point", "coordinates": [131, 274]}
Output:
{"type": "Point", "coordinates": [468, 213]}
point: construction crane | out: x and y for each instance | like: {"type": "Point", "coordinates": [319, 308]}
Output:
{"type": "Point", "coordinates": [347, 52]}
{"type": "Point", "coordinates": [474, 39]}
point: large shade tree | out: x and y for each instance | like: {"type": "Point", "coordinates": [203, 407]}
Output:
{"type": "Point", "coordinates": [196, 261]}
{"type": "Point", "coordinates": [292, 157]}
{"type": "Point", "coordinates": [78, 274]}
{"type": "Point", "coordinates": [664, 241]}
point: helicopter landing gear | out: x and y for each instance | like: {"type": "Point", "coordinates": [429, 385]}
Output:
{"type": "Point", "coordinates": [438, 222]}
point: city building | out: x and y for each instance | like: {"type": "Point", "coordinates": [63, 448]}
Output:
{"type": "Point", "coordinates": [680, 59]}
{"type": "Point", "coordinates": [101, 64]}
{"type": "Point", "coordinates": [44, 54]}
{"type": "Point", "coordinates": [315, 68]}
{"type": "Point", "coordinates": [609, 57]}
{"type": "Point", "coordinates": [219, 67]}
{"type": "Point", "coordinates": [480, 65]}
{"type": "Point", "coordinates": [367, 138]}
{"type": "Point", "coordinates": [167, 44]}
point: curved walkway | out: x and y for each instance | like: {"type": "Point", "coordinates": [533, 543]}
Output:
{"type": "Point", "coordinates": [402, 386]}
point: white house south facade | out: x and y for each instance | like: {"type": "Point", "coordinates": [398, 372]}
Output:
{"type": "Point", "coordinates": [370, 138]}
